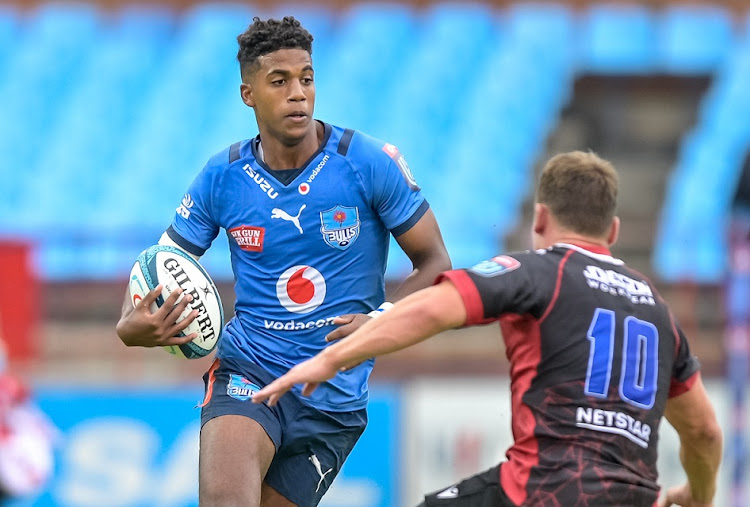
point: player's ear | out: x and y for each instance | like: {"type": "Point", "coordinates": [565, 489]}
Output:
{"type": "Point", "coordinates": [541, 218]}
{"type": "Point", "coordinates": [614, 231]}
{"type": "Point", "coordinates": [246, 92]}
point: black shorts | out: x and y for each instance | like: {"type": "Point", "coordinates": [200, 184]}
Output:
{"type": "Point", "coordinates": [481, 490]}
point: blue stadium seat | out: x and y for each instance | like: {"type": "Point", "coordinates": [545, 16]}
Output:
{"type": "Point", "coordinates": [199, 70]}
{"type": "Point", "coordinates": [86, 142]}
{"type": "Point", "coordinates": [428, 83]}
{"type": "Point", "coordinates": [360, 70]}
{"type": "Point", "coordinates": [618, 39]}
{"type": "Point", "coordinates": [38, 77]}
{"type": "Point", "coordinates": [543, 35]}
{"type": "Point", "coordinates": [541, 24]}
{"type": "Point", "coordinates": [10, 28]}
{"type": "Point", "coordinates": [694, 39]}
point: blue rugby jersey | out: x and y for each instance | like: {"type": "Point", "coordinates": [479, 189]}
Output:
{"type": "Point", "coordinates": [306, 245]}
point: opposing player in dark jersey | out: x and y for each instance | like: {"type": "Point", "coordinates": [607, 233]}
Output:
{"type": "Point", "coordinates": [596, 359]}
{"type": "Point", "coordinates": [308, 209]}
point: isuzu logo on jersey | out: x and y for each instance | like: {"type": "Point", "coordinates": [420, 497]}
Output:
{"type": "Point", "coordinates": [301, 289]}
{"type": "Point", "coordinates": [496, 266]}
{"type": "Point", "coordinates": [340, 226]}
{"type": "Point", "coordinates": [397, 157]}
{"type": "Point", "coordinates": [249, 238]}
{"type": "Point", "coordinates": [263, 183]}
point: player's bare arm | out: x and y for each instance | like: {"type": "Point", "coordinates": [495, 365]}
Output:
{"type": "Point", "coordinates": [411, 320]}
{"type": "Point", "coordinates": [424, 246]}
{"type": "Point", "coordinates": [692, 415]}
{"type": "Point", "coordinates": [139, 327]}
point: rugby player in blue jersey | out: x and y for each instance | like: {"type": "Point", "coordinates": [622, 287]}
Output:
{"type": "Point", "coordinates": [308, 209]}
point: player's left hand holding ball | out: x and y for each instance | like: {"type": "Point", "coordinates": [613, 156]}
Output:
{"type": "Point", "coordinates": [143, 328]}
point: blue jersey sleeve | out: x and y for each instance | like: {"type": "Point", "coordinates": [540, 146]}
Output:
{"type": "Point", "coordinates": [196, 221]}
{"type": "Point", "coordinates": [396, 195]}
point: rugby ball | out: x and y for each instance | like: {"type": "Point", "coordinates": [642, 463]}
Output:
{"type": "Point", "coordinates": [174, 268]}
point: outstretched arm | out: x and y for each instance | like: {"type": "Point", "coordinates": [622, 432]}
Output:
{"type": "Point", "coordinates": [413, 319]}
{"type": "Point", "coordinates": [424, 246]}
{"type": "Point", "coordinates": [692, 415]}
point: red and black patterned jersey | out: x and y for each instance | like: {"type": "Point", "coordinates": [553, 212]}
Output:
{"type": "Point", "coordinates": [594, 354]}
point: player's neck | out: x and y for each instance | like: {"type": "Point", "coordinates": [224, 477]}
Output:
{"type": "Point", "coordinates": [278, 155]}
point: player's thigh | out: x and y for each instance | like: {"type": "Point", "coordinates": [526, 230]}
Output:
{"type": "Point", "coordinates": [316, 444]}
{"type": "Point", "coordinates": [272, 498]}
{"type": "Point", "coordinates": [238, 438]}
{"type": "Point", "coordinates": [481, 490]}
{"type": "Point", "coordinates": [235, 453]}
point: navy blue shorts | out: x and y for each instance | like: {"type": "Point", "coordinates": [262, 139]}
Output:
{"type": "Point", "coordinates": [311, 444]}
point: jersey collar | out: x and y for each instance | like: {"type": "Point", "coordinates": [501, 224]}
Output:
{"type": "Point", "coordinates": [596, 252]}
{"type": "Point", "coordinates": [286, 176]}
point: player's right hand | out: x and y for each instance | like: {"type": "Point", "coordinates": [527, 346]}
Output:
{"type": "Point", "coordinates": [143, 328]}
{"type": "Point", "coordinates": [310, 373]}
{"type": "Point", "coordinates": [681, 495]}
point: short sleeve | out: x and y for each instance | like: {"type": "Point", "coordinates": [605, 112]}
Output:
{"type": "Point", "coordinates": [195, 223]}
{"type": "Point", "coordinates": [397, 198]}
{"type": "Point", "coordinates": [686, 366]}
{"type": "Point", "coordinates": [501, 285]}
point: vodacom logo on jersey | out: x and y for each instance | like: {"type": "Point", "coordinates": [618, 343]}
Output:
{"type": "Point", "coordinates": [301, 289]}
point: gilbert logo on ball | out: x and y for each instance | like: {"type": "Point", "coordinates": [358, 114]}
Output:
{"type": "Point", "coordinates": [175, 269]}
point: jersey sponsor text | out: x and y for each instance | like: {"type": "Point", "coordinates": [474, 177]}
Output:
{"type": "Point", "coordinates": [294, 325]}
{"type": "Point", "coordinates": [610, 421]}
{"type": "Point", "coordinates": [263, 183]}
{"type": "Point", "coordinates": [184, 208]}
{"type": "Point", "coordinates": [249, 238]}
{"type": "Point", "coordinates": [618, 284]}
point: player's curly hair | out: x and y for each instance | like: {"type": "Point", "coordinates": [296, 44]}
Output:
{"type": "Point", "coordinates": [263, 37]}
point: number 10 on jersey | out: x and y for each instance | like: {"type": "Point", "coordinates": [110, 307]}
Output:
{"type": "Point", "coordinates": [640, 359]}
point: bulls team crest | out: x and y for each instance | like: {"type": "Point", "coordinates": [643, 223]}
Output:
{"type": "Point", "coordinates": [240, 388]}
{"type": "Point", "coordinates": [340, 226]}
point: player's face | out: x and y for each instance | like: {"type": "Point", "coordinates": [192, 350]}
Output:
{"type": "Point", "coordinates": [282, 92]}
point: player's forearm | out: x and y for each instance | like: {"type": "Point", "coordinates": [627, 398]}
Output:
{"type": "Point", "coordinates": [415, 318]}
{"type": "Point", "coordinates": [700, 459]}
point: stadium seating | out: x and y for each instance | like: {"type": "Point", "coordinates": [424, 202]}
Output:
{"type": "Point", "coordinates": [10, 26]}
{"type": "Point", "coordinates": [468, 92]}
{"type": "Point", "coordinates": [682, 52]}
{"type": "Point", "coordinates": [690, 243]}
{"type": "Point", "coordinates": [618, 39]}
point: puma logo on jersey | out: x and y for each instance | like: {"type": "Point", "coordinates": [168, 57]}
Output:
{"type": "Point", "coordinates": [318, 468]}
{"type": "Point", "coordinates": [263, 183]}
{"type": "Point", "coordinates": [280, 213]}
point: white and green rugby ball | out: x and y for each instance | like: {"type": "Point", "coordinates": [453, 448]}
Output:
{"type": "Point", "coordinates": [173, 268]}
